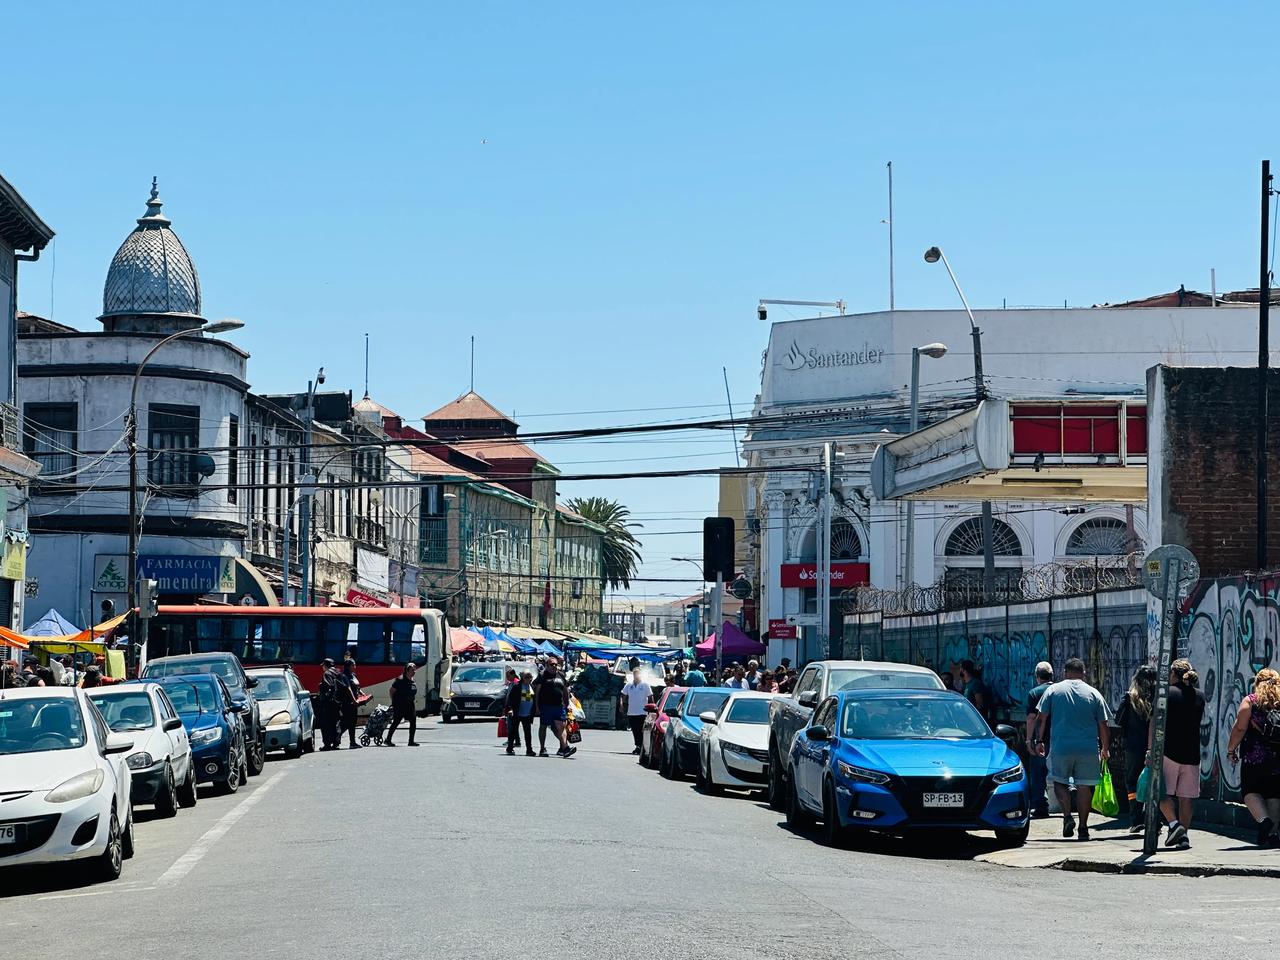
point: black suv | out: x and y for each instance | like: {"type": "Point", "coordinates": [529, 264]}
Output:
{"type": "Point", "coordinates": [228, 667]}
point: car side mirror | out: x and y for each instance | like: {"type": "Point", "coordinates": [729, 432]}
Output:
{"type": "Point", "coordinates": [237, 708]}
{"type": "Point", "coordinates": [819, 732]}
{"type": "Point", "coordinates": [650, 708]}
{"type": "Point", "coordinates": [117, 743]}
{"type": "Point", "coordinates": [250, 682]}
{"type": "Point", "coordinates": [808, 699]}
{"type": "Point", "coordinates": [173, 723]}
{"type": "Point", "coordinates": [1006, 733]}
{"type": "Point", "coordinates": [707, 716]}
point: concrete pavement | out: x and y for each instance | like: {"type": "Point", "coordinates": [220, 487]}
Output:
{"type": "Point", "coordinates": [454, 850]}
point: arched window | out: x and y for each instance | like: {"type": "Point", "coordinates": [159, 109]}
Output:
{"type": "Point", "coordinates": [845, 542]}
{"type": "Point", "coordinates": [1101, 537]}
{"type": "Point", "coordinates": [966, 540]}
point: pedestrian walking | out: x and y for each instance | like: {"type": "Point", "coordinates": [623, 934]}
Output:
{"type": "Point", "coordinates": [767, 684]}
{"type": "Point", "coordinates": [695, 677]}
{"type": "Point", "coordinates": [1074, 715]}
{"type": "Point", "coordinates": [635, 696]}
{"type": "Point", "coordinates": [349, 702]}
{"type": "Point", "coordinates": [753, 674]}
{"type": "Point", "coordinates": [404, 705]}
{"type": "Point", "coordinates": [1038, 766]}
{"type": "Point", "coordinates": [519, 710]}
{"type": "Point", "coordinates": [1134, 720]}
{"type": "Point", "coordinates": [328, 709]}
{"type": "Point", "coordinates": [739, 679]}
{"type": "Point", "coordinates": [513, 679]}
{"type": "Point", "coordinates": [1255, 745]}
{"type": "Point", "coordinates": [1181, 752]}
{"type": "Point", "coordinates": [552, 696]}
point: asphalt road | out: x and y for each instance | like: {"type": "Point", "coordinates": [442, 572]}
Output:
{"type": "Point", "coordinates": [456, 850]}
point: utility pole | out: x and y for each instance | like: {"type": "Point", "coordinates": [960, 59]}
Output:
{"type": "Point", "coordinates": [304, 509]}
{"type": "Point", "coordinates": [1264, 363]}
{"type": "Point", "coordinates": [824, 553]}
{"type": "Point", "coordinates": [890, 165]}
{"type": "Point", "coordinates": [717, 615]}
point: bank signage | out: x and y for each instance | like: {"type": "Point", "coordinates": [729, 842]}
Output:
{"type": "Point", "coordinates": [797, 357]}
{"type": "Point", "coordinates": [830, 358]}
{"type": "Point", "coordinates": [843, 574]}
{"type": "Point", "coordinates": [175, 575]}
{"type": "Point", "coordinates": [781, 630]}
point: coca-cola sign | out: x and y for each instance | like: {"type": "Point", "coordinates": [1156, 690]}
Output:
{"type": "Point", "coordinates": [358, 598]}
{"type": "Point", "coordinates": [843, 574]}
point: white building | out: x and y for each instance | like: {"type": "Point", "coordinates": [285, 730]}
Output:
{"type": "Point", "coordinates": [846, 380]}
{"type": "Point", "coordinates": [75, 387]}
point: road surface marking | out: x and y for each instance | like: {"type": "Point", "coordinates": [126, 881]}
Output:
{"type": "Point", "coordinates": [187, 862]}
{"type": "Point", "coordinates": [114, 888]}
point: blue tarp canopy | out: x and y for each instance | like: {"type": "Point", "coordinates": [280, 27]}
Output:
{"type": "Point", "coordinates": [52, 624]}
{"type": "Point", "coordinates": [549, 648]}
{"type": "Point", "coordinates": [495, 637]}
{"type": "Point", "coordinates": [626, 652]}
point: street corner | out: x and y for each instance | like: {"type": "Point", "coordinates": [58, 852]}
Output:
{"type": "Point", "coordinates": [1112, 849]}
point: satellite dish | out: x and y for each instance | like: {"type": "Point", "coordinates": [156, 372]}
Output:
{"type": "Point", "coordinates": [203, 464]}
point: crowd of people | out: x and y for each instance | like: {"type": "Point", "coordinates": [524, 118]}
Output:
{"type": "Point", "coordinates": [738, 676]}
{"type": "Point", "coordinates": [58, 672]}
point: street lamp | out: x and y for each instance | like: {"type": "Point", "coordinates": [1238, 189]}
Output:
{"type": "Point", "coordinates": [131, 441]}
{"type": "Point", "coordinates": [934, 351]}
{"type": "Point", "coordinates": [697, 564]}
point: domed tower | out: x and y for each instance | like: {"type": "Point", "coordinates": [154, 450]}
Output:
{"type": "Point", "coordinates": [152, 285]}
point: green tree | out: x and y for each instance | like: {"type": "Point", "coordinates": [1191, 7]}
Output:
{"type": "Point", "coordinates": [621, 548]}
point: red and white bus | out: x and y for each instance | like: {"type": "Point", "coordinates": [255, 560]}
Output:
{"type": "Point", "coordinates": [381, 639]}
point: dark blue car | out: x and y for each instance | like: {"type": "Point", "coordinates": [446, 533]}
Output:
{"type": "Point", "coordinates": [900, 760]}
{"type": "Point", "coordinates": [214, 727]}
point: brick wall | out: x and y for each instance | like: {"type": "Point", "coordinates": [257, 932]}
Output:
{"type": "Point", "coordinates": [1206, 471]}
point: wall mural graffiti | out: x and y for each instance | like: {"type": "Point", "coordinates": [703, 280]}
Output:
{"type": "Point", "coordinates": [1229, 630]}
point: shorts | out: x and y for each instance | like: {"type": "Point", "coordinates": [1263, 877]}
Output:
{"type": "Point", "coordinates": [1181, 780]}
{"type": "Point", "coordinates": [1260, 778]}
{"type": "Point", "coordinates": [1084, 769]}
{"type": "Point", "coordinates": [549, 716]}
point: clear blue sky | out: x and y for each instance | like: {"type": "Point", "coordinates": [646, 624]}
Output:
{"type": "Point", "coordinates": [600, 192]}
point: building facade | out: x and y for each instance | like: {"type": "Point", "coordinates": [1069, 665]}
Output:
{"type": "Point", "coordinates": [22, 236]}
{"type": "Point", "coordinates": [845, 381]}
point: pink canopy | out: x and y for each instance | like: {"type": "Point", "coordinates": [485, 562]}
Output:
{"type": "Point", "coordinates": [736, 644]}
{"type": "Point", "coordinates": [462, 640]}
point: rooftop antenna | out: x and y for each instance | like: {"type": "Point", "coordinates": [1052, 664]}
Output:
{"type": "Point", "coordinates": [890, 165]}
{"type": "Point", "coordinates": [366, 366]}
{"type": "Point", "coordinates": [737, 459]}
{"type": "Point", "coordinates": [473, 363]}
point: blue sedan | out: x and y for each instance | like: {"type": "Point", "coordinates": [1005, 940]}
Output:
{"type": "Point", "coordinates": [212, 721]}
{"type": "Point", "coordinates": [898, 760]}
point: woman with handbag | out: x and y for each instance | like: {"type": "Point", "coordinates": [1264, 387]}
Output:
{"type": "Point", "coordinates": [1134, 720]}
{"type": "Point", "coordinates": [1258, 758]}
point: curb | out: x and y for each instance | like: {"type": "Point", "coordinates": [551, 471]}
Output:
{"type": "Point", "coordinates": [1135, 868]}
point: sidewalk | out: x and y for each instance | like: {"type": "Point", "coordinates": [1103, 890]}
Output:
{"type": "Point", "coordinates": [1113, 850]}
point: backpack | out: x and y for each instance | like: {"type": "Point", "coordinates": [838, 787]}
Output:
{"type": "Point", "coordinates": [1269, 727]}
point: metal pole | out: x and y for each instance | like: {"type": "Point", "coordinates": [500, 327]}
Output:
{"type": "Point", "coordinates": [717, 614]}
{"type": "Point", "coordinates": [891, 235]}
{"type": "Point", "coordinates": [910, 577]}
{"type": "Point", "coordinates": [1264, 362]}
{"type": "Point", "coordinates": [304, 511]}
{"type": "Point", "coordinates": [824, 554]}
{"type": "Point", "coordinates": [284, 560]}
{"type": "Point", "coordinates": [988, 553]}
{"type": "Point", "coordinates": [1160, 709]}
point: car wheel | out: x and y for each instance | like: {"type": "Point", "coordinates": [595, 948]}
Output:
{"type": "Point", "coordinates": [832, 832]}
{"type": "Point", "coordinates": [232, 783]}
{"type": "Point", "coordinates": [187, 791]}
{"type": "Point", "coordinates": [777, 785]}
{"type": "Point", "coordinates": [677, 772]}
{"type": "Point", "coordinates": [294, 750]}
{"type": "Point", "coordinates": [1014, 838]}
{"type": "Point", "coordinates": [256, 758]}
{"type": "Point", "coordinates": [798, 818]}
{"type": "Point", "coordinates": [167, 797]}
{"type": "Point", "coordinates": [708, 785]}
{"type": "Point", "coordinates": [310, 746]}
{"type": "Point", "coordinates": [111, 861]}
{"type": "Point", "coordinates": [126, 837]}
{"type": "Point", "coordinates": [664, 766]}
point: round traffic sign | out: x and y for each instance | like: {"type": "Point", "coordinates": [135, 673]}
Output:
{"type": "Point", "coordinates": [1156, 567]}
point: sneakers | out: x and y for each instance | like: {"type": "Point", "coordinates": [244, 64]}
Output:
{"type": "Point", "coordinates": [1137, 828]}
{"type": "Point", "coordinates": [1177, 836]}
{"type": "Point", "coordinates": [566, 752]}
{"type": "Point", "coordinates": [1068, 826]}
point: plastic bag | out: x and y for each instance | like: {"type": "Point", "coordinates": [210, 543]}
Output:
{"type": "Point", "coordinates": [502, 727]}
{"type": "Point", "coordinates": [1143, 792]}
{"type": "Point", "coordinates": [1105, 801]}
{"type": "Point", "coordinates": [575, 732]}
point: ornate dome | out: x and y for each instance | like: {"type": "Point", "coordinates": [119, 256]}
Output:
{"type": "Point", "coordinates": [151, 274]}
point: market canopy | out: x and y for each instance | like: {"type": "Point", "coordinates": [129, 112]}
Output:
{"type": "Point", "coordinates": [462, 640]}
{"type": "Point", "coordinates": [52, 624]}
{"type": "Point", "coordinates": [623, 651]}
{"type": "Point", "coordinates": [735, 644]}
{"type": "Point", "coordinates": [10, 639]}
{"type": "Point", "coordinates": [92, 640]}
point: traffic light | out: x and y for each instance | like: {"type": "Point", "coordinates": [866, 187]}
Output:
{"type": "Point", "coordinates": [148, 599]}
{"type": "Point", "coordinates": [717, 548]}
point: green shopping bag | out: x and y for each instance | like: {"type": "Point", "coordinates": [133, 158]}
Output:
{"type": "Point", "coordinates": [1144, 786]}
{"type": "Point", "coordinates": [1104, 795]}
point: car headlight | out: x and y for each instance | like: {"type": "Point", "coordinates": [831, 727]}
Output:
{"type": "Point", "coordinates": [200, 738]}
{"type": "Point", "coordinates": [282, 719]}
{"type": "Point", "coordinates": [687, 735]}
{"type": "Point", "coordinates": [140, 760]}
{"type": "Point", "coordinates": [861, 774]}
{"type": "Point", "coordinates": [77, 788]}
{"type": "Point", "coordinates": [728, 747]}
{"type": "Point", "coordinates": [1012, 775]}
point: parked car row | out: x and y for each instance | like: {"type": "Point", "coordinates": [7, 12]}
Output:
{"type": "Point", "coordinates": [857, 746]}
{"type": "Point", "coordinates": [75, 762]}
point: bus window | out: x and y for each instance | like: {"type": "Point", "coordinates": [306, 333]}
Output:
{"type": "Point", "coordinates": [407, 641]}
{"type": "Point", "coordinates": [371, 641]}
{"type": "Point", "coordinates": [286, 640]}
{"type": "Point", "coordinates": [214, 634]}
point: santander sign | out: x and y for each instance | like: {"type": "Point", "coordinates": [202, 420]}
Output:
{"type": "Point", "coordinates": [845, 574]}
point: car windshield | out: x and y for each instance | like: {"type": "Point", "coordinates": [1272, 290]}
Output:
{"type": "Point", "coordinates": [191, 697]}
{"type": "Point", "coordinates": [883, 680]}
{"type": "Point", "coordinates": [480, 675]}
{"type": "Point", "coordinates": [272, 687]}
{"type": "Point", "coordinates": [912, 718]}
{"type": "Point", "coordinates": [126, 711]}
{"type": "Point", "coordinates": [39, 724]}
{"type": "Point", "coordinates": [177, 668]}
{"type": "Point", "coordinates": [700, 701]}
{"type": "Point", "coordinates": [748, 710]}
{"type": "Point", "coordinates": [672, 706]}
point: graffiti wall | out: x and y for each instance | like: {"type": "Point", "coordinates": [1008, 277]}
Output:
{"type": "Point", "coordinates": [1106, 630]}
{"type": "Point", "coordinates": [1229, 630]}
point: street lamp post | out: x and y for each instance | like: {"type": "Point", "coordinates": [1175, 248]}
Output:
{"type": "Point", "coordinates": [935, 351]}
{"type": "Point", "coordinates": [131, 441]}
{"type": "Point", "coordinates": [304, 516]}
{"type": "Point", "coordinates": [933, 255]}
{"type": "Point", "coordinates": [706, 620]}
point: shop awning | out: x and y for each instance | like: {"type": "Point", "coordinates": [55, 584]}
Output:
{"type": "Point", "coordinates": [462, 640]}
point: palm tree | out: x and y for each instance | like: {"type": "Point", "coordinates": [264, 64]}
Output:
{"type": "Point", "coordinates": [621, 548]}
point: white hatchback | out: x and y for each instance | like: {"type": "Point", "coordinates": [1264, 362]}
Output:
{"type": "Point", "coordinates": [733, 747]}
{"type": "Point", "coordinates": [64, 782]}
{"type": "Point", "coordinates": [160, 762]}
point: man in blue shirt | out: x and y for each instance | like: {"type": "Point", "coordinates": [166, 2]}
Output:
{"type": "Point", "coordinates": [695, 677]}
{"type": "Point", "coordinates": [1075, 715]}
{"type": "Point", "coordinates": [1037, 766]}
